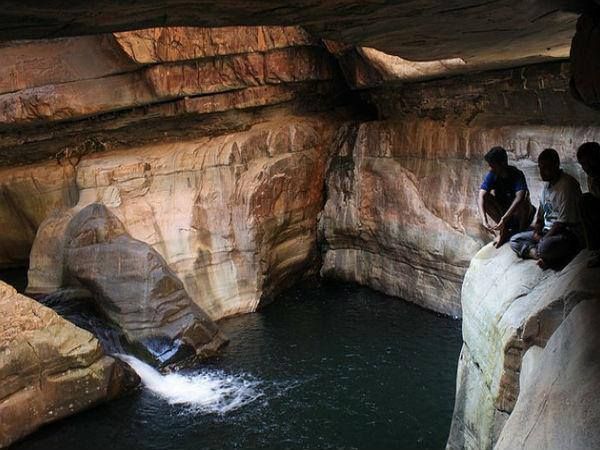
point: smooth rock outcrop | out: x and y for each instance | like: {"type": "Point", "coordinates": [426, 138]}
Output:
{"type": "Point", "coordinates": [132, 284]}
{"type": "Point", "coordinates": [509, 307]}
{"type": "Point", "coordinates": [234, 217]}
{"type": "Point", "coordinates": [557, 406]}
{"type": "Point", "coordinates": [49, 368]}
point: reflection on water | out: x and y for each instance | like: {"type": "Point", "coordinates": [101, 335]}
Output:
{"type": "Point", "coordinates": [327, 366]}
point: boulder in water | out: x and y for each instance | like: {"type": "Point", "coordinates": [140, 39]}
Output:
{"type": "Point", "coordinates": [131, 283]}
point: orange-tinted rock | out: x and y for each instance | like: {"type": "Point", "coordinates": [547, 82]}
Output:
{"type": "Point", "coordinates": [159, 83]}
{"type": "Point", "coordinates": [234, 217]}
{"type": "Point", "coordinates": [49, 368]}
{"type": "Point", "coordinates": [416, 30]}
{"type": "Point", "coordinates": [157, 45]}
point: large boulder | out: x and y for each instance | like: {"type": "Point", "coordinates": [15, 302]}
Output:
{"type": "Point", "coordinates": [132, 284]}
{"type": "Point", "coordinates": [49, 368]}
{"type": "Point", "coordinates": [509, 307]}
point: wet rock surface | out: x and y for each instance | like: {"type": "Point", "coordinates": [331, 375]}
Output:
{"type": "Point", "coordinates": [49, 368]}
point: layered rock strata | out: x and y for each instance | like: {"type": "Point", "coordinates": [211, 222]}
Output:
{"type": "Point", "coordinates": [233, 217]}
{"type": "Point", "coordinates": [154, 85]}
{"type": "Point", "coordinates": [49, 368]}
{"type": "Point", "coordinates": [401, 210]}
{"type": "Point", "coordinates": [417, 30]}
{"type": "Point", "coordinates": [514, 311]}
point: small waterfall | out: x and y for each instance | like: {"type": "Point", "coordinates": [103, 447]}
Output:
{"type": "Point", "coordinates": [206, 392]}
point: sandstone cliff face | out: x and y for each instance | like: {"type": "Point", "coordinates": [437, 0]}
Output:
{"type": "Point", "coordinates": [401, 209]}
{"type": "Point", "coordinates": [512, 310]}
{"type": "Point", "coordinates": [234, 217]}
{"type": "Point", "coordinates": [49, 368]}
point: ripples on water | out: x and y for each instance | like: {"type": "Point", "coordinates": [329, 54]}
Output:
{"type": "Point", "coordinates": [326, 366]}
{"type": "Point", "coordinates": [203, 392]}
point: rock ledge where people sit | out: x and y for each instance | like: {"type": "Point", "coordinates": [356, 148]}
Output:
{"type": "Point", "coordinates": [520, 321]}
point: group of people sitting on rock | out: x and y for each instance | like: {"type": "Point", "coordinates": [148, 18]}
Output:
{"type": "Point", "coordinates": [566, 220]}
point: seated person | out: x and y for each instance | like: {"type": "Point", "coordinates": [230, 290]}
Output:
{"type": "Point", "coordinates": [504, 197]}
{"type": "Point", "coordinates": [588, 155]}
{"type": "Point", "coordinates": [555, 239]}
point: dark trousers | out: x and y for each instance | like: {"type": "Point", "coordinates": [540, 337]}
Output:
{"type": "Point", "coordinates": [590, 218]}
{"type": "Point", "coordinates": [556, 250]}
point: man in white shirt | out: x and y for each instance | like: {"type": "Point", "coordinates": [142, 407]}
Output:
{"type": "Point", "coordinates": [557, 235]}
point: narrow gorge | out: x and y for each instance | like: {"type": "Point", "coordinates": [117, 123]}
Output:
{"type": "Point", "coordinates": [262, 210]}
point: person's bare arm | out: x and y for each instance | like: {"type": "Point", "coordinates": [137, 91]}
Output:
{"type": "Point", "coordinates": [539, 224]}
{"type": "Point", "coordinates": [480, 205]}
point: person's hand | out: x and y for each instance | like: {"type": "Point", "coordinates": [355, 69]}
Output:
{"type": "Point", "coordinates": [486, 225]}
{"type": "Point", "coordinates": [501, 224]}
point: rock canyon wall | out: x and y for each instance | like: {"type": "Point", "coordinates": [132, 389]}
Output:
{"type": "Point", "coordinates": [181, 175]}
{"type": "Point", "coordinates": [401, 212]}
{"type": "Point", "coordinates": [209, 145]}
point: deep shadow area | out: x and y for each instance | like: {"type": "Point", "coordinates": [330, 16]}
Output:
{"type": "Point", "coordinates": [339, 366]}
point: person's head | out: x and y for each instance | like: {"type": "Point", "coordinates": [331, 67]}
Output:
{"type": "Point", "coordinates": [588, 155]}
{"type": "Point", "coordinates": [497, 159]}
{"type": "Point", "coordinates": [549, 164]}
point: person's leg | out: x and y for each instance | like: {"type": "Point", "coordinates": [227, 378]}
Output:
{"type": "Point", "coordinates": [524, 215]}
{"type": "Point", "coordinates": [495, 211]}
{"type": "Point", "coordinates": [492, 208]}
{"type": "Point", "coordinates": [522, 243]}
{"type": "Point", "coordinates": [558, 250]}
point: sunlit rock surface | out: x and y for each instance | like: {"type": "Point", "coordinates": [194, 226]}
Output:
{"type": "Point", "coordinates": [234, 217]}
{"type": "Point", "coordinates": [65, 97]}
{"type": "Point", "coordinates": [401, 213]}
{"type": "Point", "coordinates": [510, 306]}
{"type": "Point", "coordinates": [49, 368]}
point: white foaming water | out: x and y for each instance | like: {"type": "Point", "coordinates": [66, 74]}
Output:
{"type": "Point", "coordinates": [207, 392]}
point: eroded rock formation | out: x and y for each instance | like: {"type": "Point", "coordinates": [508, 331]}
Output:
{"type": "Point", "coordinates": [49, 368]}
{"type": "Point", "coordinates": [511, 308]}
{"type": "Point", "coordinates": [234, 217]}
{"type": "Point", "coordinates": [133, 285]}
{"type": "Point", "coordinates": [401, 211]}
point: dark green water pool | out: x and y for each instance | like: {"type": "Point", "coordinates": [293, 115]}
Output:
{"type": "Point", "coordinates": [334, 366]}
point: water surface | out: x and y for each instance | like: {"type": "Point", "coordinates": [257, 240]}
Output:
{"type": "Point", "coordinates": [326, 366]}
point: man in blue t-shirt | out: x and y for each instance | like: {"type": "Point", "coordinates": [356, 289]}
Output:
{"type": "Point", "coordinates": [504, 197]}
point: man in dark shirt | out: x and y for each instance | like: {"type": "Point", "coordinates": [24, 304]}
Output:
{"type": "Point", "coordinates": [588, 155]}
{"type": "Point", "coordinates": [504, 197]}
